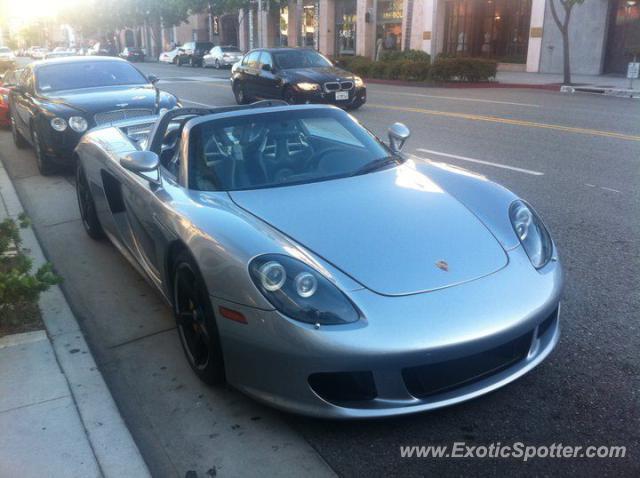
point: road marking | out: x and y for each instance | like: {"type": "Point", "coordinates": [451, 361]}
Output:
{"type": "Point", "coordinates": [197, 103]}
{"type": "Point", "coordinates": [609, 189]}
{"type": "Point", "coordinates": [480, 161]}
{"type": "Point", "coordinates": [456, 98]}
{"type": "Point", "coordinates": [514, 122]}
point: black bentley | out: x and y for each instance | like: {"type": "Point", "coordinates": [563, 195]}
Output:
{"type": "Point", "coordinates": [296, 75]}
{"type": "Point", "coordinates": [56, 101]}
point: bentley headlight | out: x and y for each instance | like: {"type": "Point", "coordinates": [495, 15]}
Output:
{"type": "Point", "coordinates": [300, 292]}
{"type": "Point", "coordinates": [59, 124]}
{"type": "Point", "coordinates": [358, 82]}
{"type": "Point", "coordinates": [532, 233]}
{"type": "Point", "coordinates": [306, 86]}
{"type": "Point", "coordinates": [78, 124]}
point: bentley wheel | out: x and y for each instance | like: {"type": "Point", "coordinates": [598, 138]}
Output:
{"type": "Point", "coordinates": [238, 91]}
{"type": "Point", "coordinates": [44, 164]}
{"type": "Point", "coordinates": [87, 206]}
{"type": "Point", "coordinates": [18, 139]}
{"type": "Point", "coordinates": [196, 321]}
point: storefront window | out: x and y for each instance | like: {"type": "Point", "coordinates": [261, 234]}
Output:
{"type": "Point", "coordinates": [623, 44]}
{"type": "Point", "coordinates": [488, 28]}
{"type": "Point", "coordinates": [310, 24]}
{"type": "Point", "coordinates": [283, 39]}
{"type": "Point", "coordinates": [346, 27]}
{"type": "Point", "coordinates": [388, 26]}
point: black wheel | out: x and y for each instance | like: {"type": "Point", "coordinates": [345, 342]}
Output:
{"type": "Point", "coordinates": [238, 92]}
{"type": "Point", "coordinates": [289, 96]}
{"type": "Point", "coordinates": [178, 61]}
{"type": "Point", "coordinates": [355, 106]}
{"type": "Point", "coordinates": [87, 206]}
{"type": "Point", "coordinates": [217, 64]}
{"type": "Point", "coordinates": [45, 166]}
{"type": "Point", "coordinates": [196, 321]}
{"type": "Point", "coordinates": [18, 139]}
{"type": "Point", "coordinates": [193, 62]}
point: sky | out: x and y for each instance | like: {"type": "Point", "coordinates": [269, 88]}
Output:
{"type": "Point", "coordinates": [32, 9]}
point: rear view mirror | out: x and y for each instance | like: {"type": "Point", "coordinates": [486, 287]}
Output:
{"type": "Point", "coordinates": [141, 162]}
{"type": "Point", "coordinates": [398, 135]}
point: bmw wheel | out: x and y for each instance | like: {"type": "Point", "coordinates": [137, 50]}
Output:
{"type": "Point", "coordinates": [196, 322]}
{"type": "Point", "coordinates": [238, 92]}
{"type": "Point", "coordinates": [18, 139]}
{"type": "Point", "coordinates": [45, 166]}
{"type": "Point", "coordinates": [87, 205]}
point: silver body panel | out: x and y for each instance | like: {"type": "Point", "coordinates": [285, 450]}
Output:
{"type": "Point", "coordinates": [377, 238]}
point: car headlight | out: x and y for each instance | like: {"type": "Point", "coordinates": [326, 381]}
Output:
{"type": "Point", "coordinates": [306, 86]}
{"type": "Point", "coordinates": [300, 292]}
{"type": "Point", "coordinates": [58, 124]}
{"type": "Point", "coordinates": [358, 82]}
{"type": "Point", "coordinates": [78, 124]}
{"type": "Point", "coordinates": [532, 233]}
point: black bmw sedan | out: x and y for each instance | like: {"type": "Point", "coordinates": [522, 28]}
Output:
{"type": "Point", "coordinates": [56, 101]}
{"type": "Point", "coordinates": [296, 75]}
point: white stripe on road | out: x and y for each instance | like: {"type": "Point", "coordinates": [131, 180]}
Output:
{"type": "Point", "coordinates": [477, 100]}
{"type": "Point", "coordinates": [197, 103]}
{"type": "Point", "coordinates": [479, 161]}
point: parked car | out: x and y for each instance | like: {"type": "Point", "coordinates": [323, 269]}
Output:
{"type": "Point", "coordinates": [39, 53]}
{"type": "Point", "coordinates": [56, 101]}
{"type": "Point", "coordinates": [291, 282]}
{"type": "Point", "coordinates": [132, 54]}
{"type": "Point", "coordinates": [7, 81]}
{"type": "Point", "coordinates": [101, 49]}
{"type": "Point", "coordinates": [296, 75]}
{"type": "Point", "coordinates": [7, 59]}
{"type": "Point", "coordinates": [192, 53]}
{"type": "Point", "coordinates": [222, 56]}
{"type": "Point", "coordinates": [58, 54]}
{"type": "Point", "coordinates": [169, 56]}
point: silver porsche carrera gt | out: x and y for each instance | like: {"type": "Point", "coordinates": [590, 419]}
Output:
{"type": "Point", "coordinates": [317, 269]}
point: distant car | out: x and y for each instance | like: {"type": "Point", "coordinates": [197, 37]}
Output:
{"type": "Point", "coordinates": [132, 54]}
{"type": "Point", "coordinates": [59, 49]}
{"type": "Point", "coordinates": [192, 53]}
{"type": "Point", "coordinates": [296, 75]}
{"type": "Point", "coordinates": [288, 278]}
{"type": "Point", "coordinates": [222, 56]}
{"type": "Point", "coordinates": [7, 81]}
{"type": "Point", "coordinates": [168, 56]}
{"type": "Point", "coordinates": [7, 59]}
{"type": "Point", "coordinates": [58, 54]}
{"type": "Point", "coordinates": [39, 53]}
{"type": "Point", "coordinates": [56, 101]}
{"type": "Point", "coordinates": [101, 49]}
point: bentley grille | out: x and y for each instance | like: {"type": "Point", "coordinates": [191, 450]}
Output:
{"type": "Point", "coordinates": [117, 115]}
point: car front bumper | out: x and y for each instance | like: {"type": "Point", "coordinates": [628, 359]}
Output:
{"type": "Point", "coordinates": [411, 353]}
{"type": "Point", "coordinates": [357, 97]}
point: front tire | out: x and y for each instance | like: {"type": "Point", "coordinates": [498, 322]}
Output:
{"type": "Point", "coordinates": [289, 96]}
{"type": "Point", "coordinates": [196, 321]}
{"type": "Point", "coordinates": [44, 164]}
{"type": "Point", "coordinates": [217, 64]}
{"type": "Point", "coordinates": [87, 205]}
{"type": "Point", "coordinates": [238, 92]}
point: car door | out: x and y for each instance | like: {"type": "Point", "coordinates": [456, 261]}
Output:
{"type": "Point", "coordinates": [22, 103]}
{"type": "Point", "coordinates": [250, 72]}
{"type": "Point", "coordinates": [267, 80]}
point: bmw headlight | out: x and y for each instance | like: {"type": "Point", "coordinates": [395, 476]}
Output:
{"type": "Point", "coordinates": [358, 82]}
{"type": "Point", "coordinates": [306, 86]}
{"type": "Point", "coordinates": [532, 233]}
{"type": "Point", "coordinates": [59, 124]}
{"type": "Point", "coordinates": [300, 292]}
{"type": "Point", "coordinates": [78, 124]}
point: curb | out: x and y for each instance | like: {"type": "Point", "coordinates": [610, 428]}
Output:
{"type": "Point", "coordinates": [619, 92]}
{"type": "Point", "coordinates": [455, 85]}
{"type": "Point", "coordinates": [114, 448]}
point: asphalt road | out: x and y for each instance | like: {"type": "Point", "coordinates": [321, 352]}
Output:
{"type": "Point", "coordinates": [576, 158]}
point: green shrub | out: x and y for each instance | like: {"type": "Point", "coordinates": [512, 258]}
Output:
{"type": "Point", "coordinates": [414, 70]}
{"type": "Point", "coordinates": [463, 69]}
{"type": "Point", "coordinates": [410, 55]}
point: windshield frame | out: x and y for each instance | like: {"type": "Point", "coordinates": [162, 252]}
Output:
{"type": "Point", "coordinates": [188, 149]}
{"type": "Point", "coordinates": [297, 51]}
{"type": "Point", "coordinates": [143, 78]}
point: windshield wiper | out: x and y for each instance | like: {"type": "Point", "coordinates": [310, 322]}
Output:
{"type": "Point", "coordinates": [375, 165]}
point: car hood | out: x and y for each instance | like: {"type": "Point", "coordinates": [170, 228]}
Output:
{"type": "Point", "coordinates": [394, 231]}
{"type": "Point", "coordinates": [96, 100]}
{"type": "Point", "coordinates": [318, 74]}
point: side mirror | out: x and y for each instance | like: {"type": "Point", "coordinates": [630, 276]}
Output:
{"type": "Point", "coordinates": [398, 135]}
{"type": "Point", "coordinates": [141, 162]}
{"type": "Point", "coordinates": [267, 67]}
{"type": "Point", "coordinates": [153, 79]}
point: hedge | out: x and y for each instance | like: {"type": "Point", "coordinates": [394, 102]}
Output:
{"type": "Point", "coordinates": [411, 65]}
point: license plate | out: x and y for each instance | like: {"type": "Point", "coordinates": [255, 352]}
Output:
{"type": "Point", "coordinates": [342, 95]}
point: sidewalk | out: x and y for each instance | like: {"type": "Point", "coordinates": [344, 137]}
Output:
{"type": "Point", "coordinates": [602, 84]}
{"type": "Point", "coordinates": [57, 416]}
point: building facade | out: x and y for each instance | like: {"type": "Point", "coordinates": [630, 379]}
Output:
{"type": "Point", "coordinates": [520, 34]}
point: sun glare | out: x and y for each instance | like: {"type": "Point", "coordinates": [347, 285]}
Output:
{"type": "Point", "coordinates": [35, 9]}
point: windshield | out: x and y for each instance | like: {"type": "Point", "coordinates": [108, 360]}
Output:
{"type": "Point", "coordinates": [229, 49]}
{"type": "Point", "coordinates": [280, 148]}
{"type": "Point", "coordinates": [288, 59]}
{"type": "Point", "coordinates": [76, 75]}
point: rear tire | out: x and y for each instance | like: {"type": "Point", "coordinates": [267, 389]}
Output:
{"type": "Point", "coordinates": [217, 64]}
{"type": "Point", "coordinates": [44, 164]}
{"type": "Point", "coordinates": [18, 139]}
{"type": "Point", "coordinates": [196, 322]}
{"type": "Point", "coordinates": [87, 205]}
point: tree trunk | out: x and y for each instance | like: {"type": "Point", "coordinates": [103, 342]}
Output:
{"type": "Point", "coordinates": [566, 56]}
